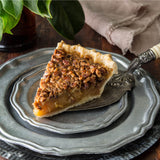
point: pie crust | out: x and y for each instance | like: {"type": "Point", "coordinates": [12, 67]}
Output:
{"type": "Point", "coordinates": [85, 83]}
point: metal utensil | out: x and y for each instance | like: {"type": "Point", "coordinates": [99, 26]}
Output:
{"type": "Point", "coordinates": [121, 82]}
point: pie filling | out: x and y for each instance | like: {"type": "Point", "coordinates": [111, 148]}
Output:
{"type": "Point", "coordinates": [70, 79]}
{"type": "Point", "coordinates": [63, 101]}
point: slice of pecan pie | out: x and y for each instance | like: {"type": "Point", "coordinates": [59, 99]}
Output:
{"type": "Point", "coordinates": [73, 76]}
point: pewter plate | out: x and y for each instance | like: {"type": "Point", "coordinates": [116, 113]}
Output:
{"type": "Point", "coordinates": [143, 105]}
{"type": "Point", "coordinates": [22, 97]}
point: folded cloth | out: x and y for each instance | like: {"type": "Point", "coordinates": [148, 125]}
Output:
{"type": "Point", "coordinates": [132, 25]}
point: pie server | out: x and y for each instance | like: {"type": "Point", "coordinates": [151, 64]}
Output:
{"type": "Point", "coordinates": [121, 82]}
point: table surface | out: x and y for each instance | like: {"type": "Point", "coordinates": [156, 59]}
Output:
{"type": "Point", "coordinates": [87, 37]}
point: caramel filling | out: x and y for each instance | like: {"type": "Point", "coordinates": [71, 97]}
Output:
{"type": "Point", "coordinates": [64, 100]}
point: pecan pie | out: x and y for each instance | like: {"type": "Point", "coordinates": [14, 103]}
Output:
{"type": "Point", "coordinates": [73, 76]}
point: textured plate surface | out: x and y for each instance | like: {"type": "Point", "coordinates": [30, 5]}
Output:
{"type": "Point", "coordinates": [143, 105]}
{"type": "Point", "coordinates": [22, 97]}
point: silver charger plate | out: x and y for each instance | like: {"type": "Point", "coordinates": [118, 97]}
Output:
{"type": "Point", "coordinates": [22, 97]}
{"type": "Point", "coordinates": [143, 105]}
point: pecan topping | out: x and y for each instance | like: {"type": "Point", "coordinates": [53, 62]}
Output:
{"type": "Point", "coordinates": [67, 72]}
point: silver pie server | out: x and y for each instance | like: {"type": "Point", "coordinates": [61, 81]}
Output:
{"type": "Point", "coordinates": [122, 82]}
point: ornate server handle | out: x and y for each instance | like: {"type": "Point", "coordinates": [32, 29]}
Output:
{"type": "Point", "coordinates": [126, 79]}
{"type": "Point", "coordinates": [156, 50]}
{"type": "Point", "coordinates": [151, 54]}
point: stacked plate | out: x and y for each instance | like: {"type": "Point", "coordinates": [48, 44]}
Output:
{"type": "Point", "coordinates": [95, 131]}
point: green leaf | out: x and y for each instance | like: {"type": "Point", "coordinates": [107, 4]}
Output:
{"type": "Point", "coordinates": [75, 13]}
{"type": "Point", "coordinates": [67, 17]}
{"type": "Point", "coordinates": [44, 7]}
{"type": "Point", "coordinates": [40, 7]}
{"type": "Point", "coordinates": [1, 7]}
{"type": "Point", "coordinates": [60, 21]}
{"type": "Point", "coordinates": [13, 7]}
{"type": "Point", "coordinates": [1, 28]}
{"type": "Point", "coordinates": [8, 21]}
{"type": "Point", "coordinates": [32, 5]}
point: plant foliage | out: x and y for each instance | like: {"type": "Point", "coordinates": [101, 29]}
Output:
{"type": "Point", "coordinates": [66, 17]}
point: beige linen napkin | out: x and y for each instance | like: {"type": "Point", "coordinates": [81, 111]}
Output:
{"type": "Point", "coordinates": [132, 25]}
